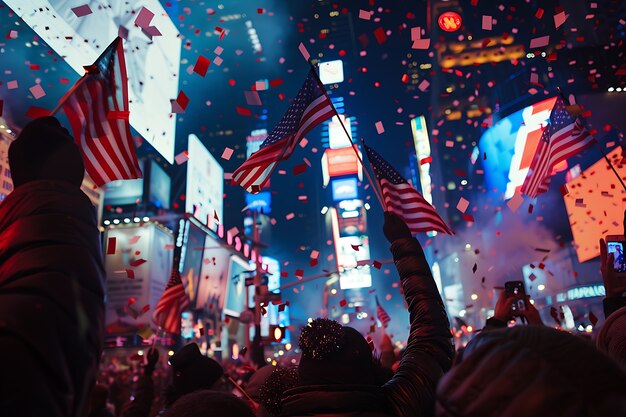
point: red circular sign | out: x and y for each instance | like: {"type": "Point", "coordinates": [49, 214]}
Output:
{"type": "Point", "coordinates": [450, 21]}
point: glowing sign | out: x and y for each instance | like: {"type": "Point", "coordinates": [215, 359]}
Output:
{"type": "Point", "coordinates": [152, 61]}
{"type": "Point", "coordinates": [422, 150]}
{"type": "Point", "coordinates": [336, 136]}
{"type": "Point", "coordinates": [205, 184]}
{"type": "Point", "coordinates": [331, 72]}
{"type": "Point", "coordinates": [344, 189]}
{"type": "Point", "coordinates": [450, 21]}
{"type": "Point", "coordinates": [510, 145]}
{"type": "Point", "coordinates": [340, 162]}
{"type": "Point", "coordinates": [591, 201]}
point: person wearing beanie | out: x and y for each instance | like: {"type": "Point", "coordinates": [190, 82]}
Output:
{"type": "Point", "coordinates": [191, 371]}
{"type": "Point", "coordinates": [532, 371]}
{"type": "Point", "coordinates": [338, 375]}
{"type": "Point", "coordinates": [51, 278]}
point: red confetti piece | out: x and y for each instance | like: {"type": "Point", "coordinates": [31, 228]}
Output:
{"type": "Point", "coordinates": [343, 303]}
{"type": "Point", "coordinates": [145, 308]}
{"type": "Point", "coordinates": [377, 264]}
{"type": "Point", "coordinates": [202, 65]}
{"type": "Point", "coordinates": [592, 318]}
{"type": "Point", "coordinates": [468, 218]}
{"type": "Point", "coordinates": [244, 111]}
{"type": "Point", "coordinates": [427, 160]}
{"type": "Point", "coordinates": [276, 82]}
{"type": "Point", "coordinates": [81, 11]}
{"type": "Point", "coordinates": [130, 273]}
{"type": "Point", "coordinates": [539, 13]}
{"type": "Point", "coordinates": [380, 35]}
{"type": "Point", "coordinates": [137, 263]}
{"type": "Point", "coordinates": [299, 169]}
{"type": "Point", "coordinates": [111, 246]}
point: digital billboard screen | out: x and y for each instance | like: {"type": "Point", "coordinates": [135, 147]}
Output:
{"type": "Point", "coordinates": [510, 146]}
{"type": "Point", "coordinates": [160, 186]}
{"type": "Point", "coordinates": [344, 189]}
{"type": "Point", "coordinates": [152, 62]}
{"type": "Point", "coordinates": [205, 183]}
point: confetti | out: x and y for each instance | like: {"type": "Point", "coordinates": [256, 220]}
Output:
{"type": "Point", "coordinates": [144, 18]}
{"type": "Point", "coordinates": [379, 127]}
{"type": "Point", "coordinates": [12, 85]}
{"type": "Point", "coordinates": [462, 205]}
{"type": "Point", "coordinates": [515, 202]}
{"type": "Point", "coordinates": [380, 35]}
{"type": "Point", "coordinates": [137, 263]}
{"type": "Point", "coordinates": [228, 152]}
{"type": "Point", "coordinates": [304, 52]}
{"type": "Point", "coordinates": [487, 22]}
{"type": "Point", "coordinates": [182, 157]}
{"type": "Point", "coordinates": [202, 65]}
{"type": "Point", "coordinates": [365, 15]}
{"type": "Point", "coordinates": [252, 98]}
{"type": "Point", "coordinates": [559, 19]}
{"type": "Point", "coordinates": [423, 85]}
{"type": "Point", "coordinates": [37, 91]}
{"type": "Point", "coordinates": [539, 42]}
{"type": "Point", "coordinates": [290, 216]}
{"type": "Point", "coordinates": [111, 243]}
{"type": "Point", "coordinates": [81, 11]}
{"type": "Point", "coordinates": [180, 104]}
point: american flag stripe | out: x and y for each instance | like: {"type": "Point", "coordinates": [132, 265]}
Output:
{"type": "Point", "coordinates": [310, 107]}
{"type": "Point", "coordinates": [563, 138]}
{"type": "Point", "coordinates": [382, 315]}
{"type": "Point", "coordinates": [402, 199]}
{"type": "Point", "coordinates": [93, 107]}
{"type": "Point", "coordinates": [171, 304]}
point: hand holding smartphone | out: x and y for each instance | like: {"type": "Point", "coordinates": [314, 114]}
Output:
{"type": "Point", "coordinates": [516, 290]}
{"type": "Point", "coordinates": [615, 246]}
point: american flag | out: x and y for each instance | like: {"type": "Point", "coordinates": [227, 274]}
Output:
{"type": "Point", "coordinates": [562, 138]}
{"type": "Point", "coordinates": [382, 315]}
{"type": "Point", "coordinates": [171, 305]}
{"type": "Point", "coordinates": [310, 107]}
{"type": "Point", "coordinates": [402, 199]}
{"type": "Point", "coordinates": [97, 108]}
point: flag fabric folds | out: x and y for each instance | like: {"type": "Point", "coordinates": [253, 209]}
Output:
{"type": "Point", "coordinates": [171, 305]}
{"type": "Point", "coordinates": [382, 315]}
{"type": "Point", "coordinates": [402, 199]}
{"type": "Point", "coordinates": [564, 137]}
{"type": "Point", "coordinates": [97, 108]}
{"type": "Point", "coordinates": [310, 107]}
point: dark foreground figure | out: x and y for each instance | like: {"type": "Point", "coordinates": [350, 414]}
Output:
{"type": "Point", "coordinates": [51, 279]}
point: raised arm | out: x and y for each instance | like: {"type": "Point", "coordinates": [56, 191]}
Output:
{"type": "Point", "coordinates": [429, 351]}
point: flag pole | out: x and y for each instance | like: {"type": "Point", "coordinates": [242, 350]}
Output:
{"type": "Point", "coordinates": [608, 161]}
{"type": "Point", "coordinates": [356, 151]}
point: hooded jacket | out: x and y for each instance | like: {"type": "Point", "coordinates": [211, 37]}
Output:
{"type": "Point", "coordinates": [429, 351]}
{"type": "Point", "coordinates": [51, 300]}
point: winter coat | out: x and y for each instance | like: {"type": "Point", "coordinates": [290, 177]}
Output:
{"type": "Point", "coordinates": [51, 300]}
{"type": "Point", "coordinates": [411, 391]}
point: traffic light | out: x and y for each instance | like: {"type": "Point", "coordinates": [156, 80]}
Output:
{"type": "Point", "coordinates": [277, 333]}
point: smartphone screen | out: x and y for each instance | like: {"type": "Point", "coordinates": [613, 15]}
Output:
{"type": "Point", "coordinates": [516, 289]}
{"type": "Point", "coordinates": [617, 249]}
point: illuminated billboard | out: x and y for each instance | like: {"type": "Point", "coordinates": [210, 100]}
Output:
{"type": "Point", "coordinates": [344, 189]}
{"type": "Point", "coordinates": [152, 61]}
{"type": "Point", "coordinates": [340, 162]}
{"type": "Point", "coordinates": [331, 72]}
{"type": "Point", "coordinates": [336, 135]}
{"type": "Point", "coordinates": [510, 146]}
{"type": "Point", "coordinates": [205, 184]}
{"type": "Point", "coordinates": [213, 276]}
{"type": "Point", "coordinates": [594, 205]}
{"type": "Point", "coordinates": [422, 150]}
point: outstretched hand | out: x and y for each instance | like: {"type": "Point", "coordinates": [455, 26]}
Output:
{"type": "Point", "coordinates": [503, 310]}
{"type": "Point", "coordinates": [395, 228]}
{"type": "Point", "coordinates": [613, 285]}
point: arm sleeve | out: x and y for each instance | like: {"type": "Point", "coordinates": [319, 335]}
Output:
{"type": "Point", "coordinates": [429, 351]}
{"type": "Point", "coordinates": [144, 395]}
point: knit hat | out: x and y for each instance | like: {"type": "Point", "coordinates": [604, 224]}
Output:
{"type": "Point", "coordinates": [334, 354]}
{"type": "Point", "coordinates": [532, 371]}
{"type": "Point", "coordinates": [612, 336]}
{"type": "Point", "coordinates": [193, 371]}
{"type": "Point", "coordinates": [45, 150]}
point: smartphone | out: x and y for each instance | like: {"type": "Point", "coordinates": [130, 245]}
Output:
{"type": "Point", "coordinates": [516, 289]}
{"type": "Point", "coordinates": [615, 245]}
